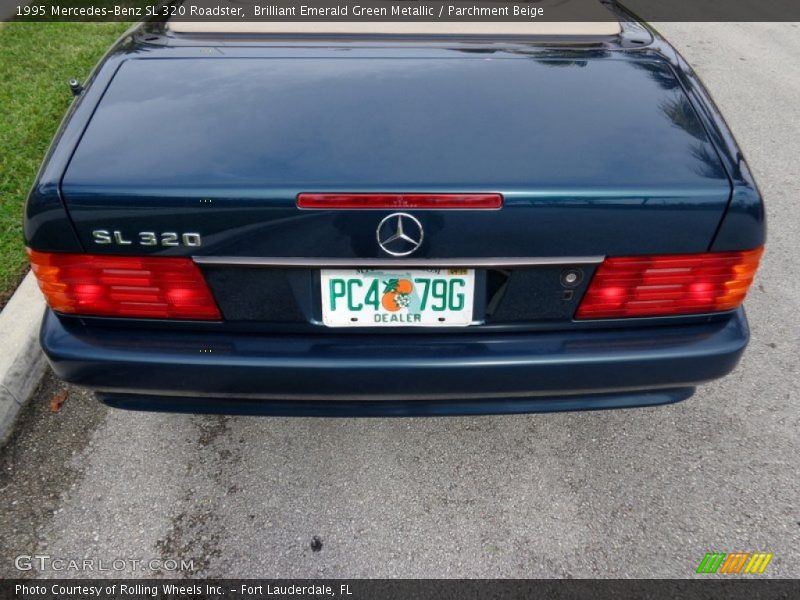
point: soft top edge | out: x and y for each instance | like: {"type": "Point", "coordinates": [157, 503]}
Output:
{"type": "Point", "coordinates": [593, 29]}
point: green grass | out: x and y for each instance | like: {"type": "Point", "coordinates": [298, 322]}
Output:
{"type": "Point", "coordinates": [36, 61]}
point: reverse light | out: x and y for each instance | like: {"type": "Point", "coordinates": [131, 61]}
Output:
{"type": "Point", "coordinates": [124, 286]}
{"type": "Point", "coordinates": [393, 201]}
{"type": "Point", "coordinates": [650, 286]}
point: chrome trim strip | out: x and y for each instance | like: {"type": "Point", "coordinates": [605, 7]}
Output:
{"type": "Point", "coordinates": [334, 263]}
{"type": "Point", "coordinates": [555, 394]}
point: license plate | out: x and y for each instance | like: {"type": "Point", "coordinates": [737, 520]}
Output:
{"type": "Point", "coordinates": [397, 298]}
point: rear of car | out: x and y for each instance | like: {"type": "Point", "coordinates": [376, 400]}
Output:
{"type": "Point", "coordinates": [245, 222]}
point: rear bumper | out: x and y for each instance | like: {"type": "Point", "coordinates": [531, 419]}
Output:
{"type": "Point", "coordinates": [393, 375]}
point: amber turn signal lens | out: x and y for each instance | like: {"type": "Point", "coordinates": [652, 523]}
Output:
{"type": "Point", "coordinates": [651, 286]}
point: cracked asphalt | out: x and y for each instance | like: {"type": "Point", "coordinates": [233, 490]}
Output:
{"type": "Point", "coordinates": [637, 493]}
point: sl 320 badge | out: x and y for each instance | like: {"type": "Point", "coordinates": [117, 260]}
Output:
{"type": "Point", "coordinates": [147, 238]}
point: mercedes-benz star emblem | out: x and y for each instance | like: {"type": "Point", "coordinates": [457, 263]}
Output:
{"type": "Point", "coordinates": [399, 234]}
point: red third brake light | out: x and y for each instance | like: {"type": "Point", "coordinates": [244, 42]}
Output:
{"type": "Point", "coordinates": [392, 201]}
{"type": "Point", "coordinates": [648, 286]}
{"type": "Point", "coordinates": [124, 286]}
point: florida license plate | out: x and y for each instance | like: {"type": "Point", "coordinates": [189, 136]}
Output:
{"type": "Point", "coordinates": [397, 298]}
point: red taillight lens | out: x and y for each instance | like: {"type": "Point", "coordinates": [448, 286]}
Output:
{"type": "Point", "coordinates": [124, 286]}
{"type": "Point", "coordinates": [649, 286]}
{"type": "Point", "coordinates": [392, 201]}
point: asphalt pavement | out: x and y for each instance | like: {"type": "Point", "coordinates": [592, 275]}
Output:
{"type": "Point", "coordinates": [636, 493]}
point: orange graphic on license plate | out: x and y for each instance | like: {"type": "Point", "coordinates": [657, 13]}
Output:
{"type": "Point", "coordinates": [397, 294]}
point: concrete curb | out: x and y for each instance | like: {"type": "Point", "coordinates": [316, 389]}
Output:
{"type": "Point", "coordinates": [22, 362]}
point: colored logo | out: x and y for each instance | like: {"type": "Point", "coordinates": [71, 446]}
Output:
{"type": "Point", "coordinates": [736, 563]}
{"type": "Point", "coordinates": [399, 234]}
{"type": "Point", "coordinates": [397, 294]}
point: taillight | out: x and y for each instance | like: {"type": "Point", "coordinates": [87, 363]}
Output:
{"type": "Point", "coordinates": [124, 286]}
{"type": "Point", "coordinates": [392, 201]}
{"type": "Point", "coordinates": [649, 286]}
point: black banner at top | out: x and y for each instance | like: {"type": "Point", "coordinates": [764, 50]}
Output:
{"type": "Point", "coordinates": [368, 11]}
